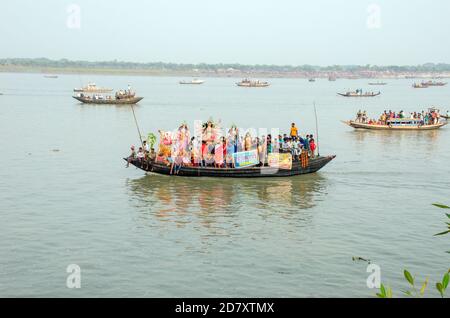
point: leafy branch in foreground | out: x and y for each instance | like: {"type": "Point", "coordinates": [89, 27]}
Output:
{"type": "Point", "coordinates": [413, 292]}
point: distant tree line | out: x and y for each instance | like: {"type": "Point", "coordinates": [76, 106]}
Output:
{"type": "Point", "coordinates": [160, 66]}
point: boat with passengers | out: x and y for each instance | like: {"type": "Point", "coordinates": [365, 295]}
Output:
{"type": "Point", "coordinates": [122, 97]}
{"type": "Point", "coordinates": [211, 152]}
{"type": "Point", "coordinates": [397, 124]}
{"type": "Point", "coordinates": [252, 83]}
{"type": "Point", "coordinates": [429, 120]}
{"type": "Point", "coordinates": [359, 93]}
{"type": "Point", "coordinates": [92, 88]}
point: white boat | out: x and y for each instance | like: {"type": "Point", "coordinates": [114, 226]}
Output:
{"type": "Point", "coordinates": [248, 83]}
{"type": "Point", "coordinates": [92, 88]}
{"type": "Point", "coordinates": [193, 82]}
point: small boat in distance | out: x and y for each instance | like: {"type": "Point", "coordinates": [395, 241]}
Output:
{"type": "Point", "coordinates": [359, 93]}
{"type": "Point", "coordinates": [121, 97]}
{"type": "Point", "coordinates": [92, 88]}
{"type": "Point", "coordinates": [248, 83]}
{"type": "Point", "coordinates": [377, 83]}
{"type": "Point", "coordinates": [420, 85]}
{"type": "Point", "coordinates": [51, 76]}
{"type": "Point", "coordinates": [312, 80]}
{"type": "Point", "coordinates": [433, 83]}
{"type": "Point", "coordinates": [332, 78]}
{"type": "Point", "coordinates": [192, 82]}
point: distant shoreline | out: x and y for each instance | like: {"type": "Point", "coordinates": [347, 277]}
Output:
{"type": "Point", "coordinates": [47, 66]}
{"type": "Point", "coordinates": [133, 72]}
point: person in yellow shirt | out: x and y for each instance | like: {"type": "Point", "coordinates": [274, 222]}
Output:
{"type": "Point", "coordinates": [294, 131]}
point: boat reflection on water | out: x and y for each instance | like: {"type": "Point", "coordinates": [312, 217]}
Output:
{"type": "Point", "coordinates": [209, 202]}
{"type": "Point", "coordinates": [389, 140]}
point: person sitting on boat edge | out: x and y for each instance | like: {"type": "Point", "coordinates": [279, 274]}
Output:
{"type": "Point", "coordinates": [140, 156]}
{"type": "Point", "coordinates": [131, 157]}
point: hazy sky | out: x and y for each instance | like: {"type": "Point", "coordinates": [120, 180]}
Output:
{"type": "Point", "coordinates": [321, 32]}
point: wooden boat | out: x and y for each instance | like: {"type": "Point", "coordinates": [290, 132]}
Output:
{"type": "Point", "coordinates": [377, 83]}
{"type": "Point", "coordinates": [249, 83]}
{"type": "Point", "coordinates": [433, 83]}
{"type": "Point", "coordinates": [445, 116]}
{"type": "Point", "coordinates": [314, 165]}
{"type": "Point", "coordinates": [397, 124]}
{"type": "Point", "coordinates": [108, 101]}
{"type": "Point", "coordinates": [421, 85]}
{"type": "Point", "coordinates": [92, 88]}
{"type": "Point", "coordinates": [312, 80]}
{"type": "Point", "coordinates": [355, 94]}
{"type": "Point", "coordinates": [192, 82]}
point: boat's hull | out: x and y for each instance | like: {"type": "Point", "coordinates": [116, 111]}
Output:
{"type": "Point", "coordinates": [191, 83]}
{"type": "Point", "coordinates": [357, 95]}
{"type": "Point", "coordinates": [314, 165]}
{"type": "Point", "coordinates": [393, 127]}
{"type": "Point", "coordinates": [124, 101]}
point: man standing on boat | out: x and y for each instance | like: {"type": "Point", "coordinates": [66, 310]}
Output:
{"type": "Point", "coordinates": [294, 131]}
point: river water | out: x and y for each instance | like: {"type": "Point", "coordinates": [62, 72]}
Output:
{"type": "Point", "coordinates": [67, 198]}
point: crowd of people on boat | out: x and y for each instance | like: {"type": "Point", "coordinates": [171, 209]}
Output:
{"type": "Point", "coordinates": [360, 92]}
{"type": "Point", "coordinates": [210, 147]}
{"type": "Point", "coordinates": [429, 117]}
{"type": "Point", "coordinates": [126, 93]}
{"type": "Point", "coordinates": [121, 94]}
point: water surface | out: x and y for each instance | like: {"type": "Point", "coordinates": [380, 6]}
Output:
{"type": "Point", "coordinates": [66, 196]}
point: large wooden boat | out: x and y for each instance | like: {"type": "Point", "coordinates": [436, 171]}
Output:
{"type": "Point", "coordinates": [192, 82]}
{"type": "Point", "coordinates": [108, 101]}
{"type": "Point", "coordinates": [314, 165]}
{"type": "Point", "coordinates": [397, 124]}
{"type": "Point", "coordinates": [92, 88]}
{"type": "Point", "coordinates": [355, 94]}
{"type": "Point", "coordinates": [249, 83]}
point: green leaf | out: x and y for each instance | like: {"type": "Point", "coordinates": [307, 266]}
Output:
{"type": "Point", "coordinates": [389, 293]}
{"type": "Point", "coordinates": [380, 296]}
{"type": "Point", "coordinates": [408, 277]}
{"type": "Point", "coordinates": [383, 290]}
{"type": "Point", "coordinates": [439, 288]}
{"type": "Point", "coordinates": [442, 233]}
{"type": "Point", "coordinates": [445, 281]}
{"type": "Point", "coordinates": [442, 206]}
{"type": "Point", "coordinates": [424, 286]}
{"type": "Point", "coordinates": [448, 215]}
{"type": "Point", "coordinates": [407, 293]}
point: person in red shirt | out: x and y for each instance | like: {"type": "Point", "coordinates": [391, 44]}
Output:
{"type": "Point", "coordinates": [312, 147]}
{"type": "Point", "coordinates": [204, 153]}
